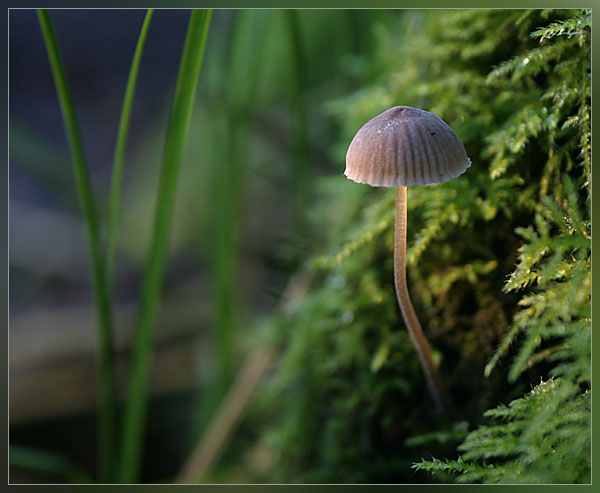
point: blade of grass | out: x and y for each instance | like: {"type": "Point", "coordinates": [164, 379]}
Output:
{"type": "Point", "coordinates": [44, 462]}
{"type": "Point", "coordinates": [189, 70]}
{"type": "Point", "coordinates": [42, 160]}
{"type": "Point", "coordinates": [240, 72]}
{"type": "Point", "coordinates": [106, 418]}
{"type": "Point", "coordinates": [300, 145]}
{"type": "Point", "coordinates": [209, 448]}
{"type": "Point", "coordinates": [225, 192]}
{"type": "Point", "coordinates": [119, 157]}
{"type": "Point", "coordinates": [225, 262]}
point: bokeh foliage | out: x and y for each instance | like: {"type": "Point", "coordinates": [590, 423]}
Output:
{"type": "Point", "coordinates": [499, 268]}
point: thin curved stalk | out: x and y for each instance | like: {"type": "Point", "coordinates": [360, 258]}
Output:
{"type": "Point", "coordinates": [232, 408]}
{"type": "Point", "coordinates": [119, 157]}
{"type": "Point", "coordinates": [434, 379]}
{"type": "Point", "coordinates": [181, 111]}
{"type": "Point", "coordinates": [106, 413]}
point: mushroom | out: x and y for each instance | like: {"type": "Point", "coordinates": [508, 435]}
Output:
{"type": "Point", "coordinates": [401, 147]}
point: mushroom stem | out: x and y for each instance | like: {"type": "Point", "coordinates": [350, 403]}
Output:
{"type": "Point", "coordinates": [434, 379]}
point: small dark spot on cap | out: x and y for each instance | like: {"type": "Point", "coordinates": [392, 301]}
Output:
{"type": "Point", "coordinates": [432, 133]}
{"type": "Point", "coordinates": [397, 110]}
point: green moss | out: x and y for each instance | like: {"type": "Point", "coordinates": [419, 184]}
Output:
{"type": "Point", "coordinates": [499, 268]}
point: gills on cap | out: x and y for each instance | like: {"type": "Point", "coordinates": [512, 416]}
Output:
{"type": "Point", "coordinates": [405, 146]}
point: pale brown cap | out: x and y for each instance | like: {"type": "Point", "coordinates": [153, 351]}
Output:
{"type": "Point", "coordinates": [405, 146]}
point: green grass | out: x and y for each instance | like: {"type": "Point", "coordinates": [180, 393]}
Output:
{"type": "Point", "coordinates": [181, 111]}
{"type": "Point", "coordinates": [227, 188]}
{"type": "Point", "coordinates": [47, 463]}
{"type": "Point", "coordinates": [119, 158]}
{"type": "Point", "coordinates": [44, 162]}
{"type": "Point", "coordinates": [103, 265]}
{"type": "Point", "coordinates": [106, 421]}
{"type": "Point", "coordinates": [300, 151]}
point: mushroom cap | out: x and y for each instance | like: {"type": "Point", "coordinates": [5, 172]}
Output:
{"type": "Point", "coordinates": [405, 146]}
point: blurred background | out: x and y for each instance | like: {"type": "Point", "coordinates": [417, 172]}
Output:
{"type": "Point", "coordinates": [264, 218]}
{"type": "Point", "coordinates": [258, 141]}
